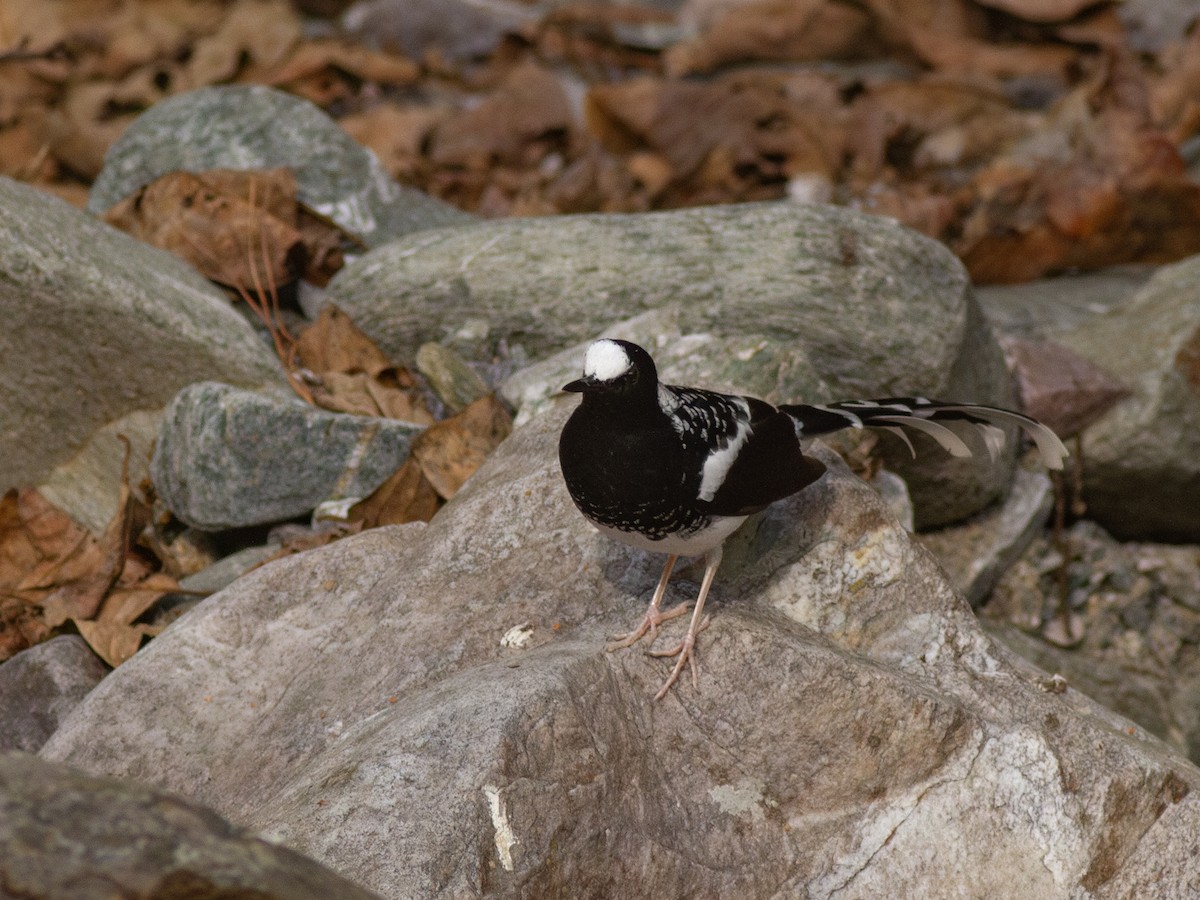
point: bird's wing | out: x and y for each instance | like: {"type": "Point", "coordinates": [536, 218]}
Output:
{"type": "Point", "coordinates": [746, 450]}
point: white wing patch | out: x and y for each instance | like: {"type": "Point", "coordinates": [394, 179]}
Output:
{"type": "Point", "coordinates": [719, 462]}
{"type": "Point", "coordinates": [606, 360]}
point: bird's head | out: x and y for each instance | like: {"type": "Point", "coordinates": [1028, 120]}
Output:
{"type": "Point", "coordinates": [613, 367]}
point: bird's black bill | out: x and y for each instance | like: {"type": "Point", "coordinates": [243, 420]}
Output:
{"type": "Point", "coordinates": [575, 387]}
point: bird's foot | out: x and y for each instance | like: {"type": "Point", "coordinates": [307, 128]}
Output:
{"type": "Point", "coordinates": [650, 622]}
{"type": "Point", "coordinates": [686, 651]}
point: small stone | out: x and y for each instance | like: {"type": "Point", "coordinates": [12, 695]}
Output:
{"type": "Point", "coordinates": [226, 457]}
{"type": "Point", "coordinates": [455, 383]}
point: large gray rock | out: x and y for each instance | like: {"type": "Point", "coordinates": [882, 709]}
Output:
{"type": "Point", "coordinates": [1142, 477]}
{"type": "Point", "coordinates": [99, 332]}
{"type": "Point", "coordinates": [1048, 306]}
{"type": "Point", "coordinates": [878, 309]}
{"type": "Point", "coordinates": [64, 834]}
{"type": "Point", "coordinates": [430, 708]}
{"type": "Point", "coordinates": [227, 457]}
{"type": "Point", "coordinates": [256, 127]}
{"type": "Point", "coordinates": [39, 686]}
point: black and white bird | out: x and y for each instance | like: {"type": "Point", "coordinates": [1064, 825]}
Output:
{"type": "Point", "coordinates": [677, 470]}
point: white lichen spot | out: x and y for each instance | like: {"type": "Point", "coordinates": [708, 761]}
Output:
{"type": "Point", "coordinates": [517, 636]}
{"type": "Point", "coordinates": [505, 839]}
{"type": "Point", "coordinates": [881, 557]}
{"type": "Point", "coordinates": [742, 799]}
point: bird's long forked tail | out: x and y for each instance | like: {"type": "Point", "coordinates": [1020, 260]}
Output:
{"type": "Point", "coordinates": [894, 414]}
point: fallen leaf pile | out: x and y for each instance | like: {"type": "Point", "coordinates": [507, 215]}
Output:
{"type": "Point", "coordinates": [442, 459]}
{"type": "Point", "coordinates": [1029, 136]}
{"type": "Point", "coordinates": [53, 572]}
{"type": "Point", "coordinates": [348, 373]}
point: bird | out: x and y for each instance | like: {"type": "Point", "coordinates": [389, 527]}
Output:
{"type": "Point", "coordinates": [677, 470]}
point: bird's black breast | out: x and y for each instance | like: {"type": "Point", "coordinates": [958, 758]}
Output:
{"type": "Point", "coordinates": [630, 472]}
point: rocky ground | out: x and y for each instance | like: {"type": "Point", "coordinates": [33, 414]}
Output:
{"type": "Point", "coordinates": [307, 581]}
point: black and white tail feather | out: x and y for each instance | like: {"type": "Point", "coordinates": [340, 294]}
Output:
{"type": "Point", "coordinates": [678, 469]}
{"type": "Point", "coordinates": [894, 414]}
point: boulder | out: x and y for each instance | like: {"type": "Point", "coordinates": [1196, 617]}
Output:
{"type": "Point", "coordinates": [257, 127]}
{"type": "Point", "coordinates": [64, 834]}
{"type": "Point", "coordinates": [878, 310]}
{"type": "Point", "coordinates": [1142, 474]}
{"type": "Point", "coordinates": [39, 686]}
{"type": "Point", "coordinates": [226, 457]}
{"type": "Point", "coordinates": [88, 312]}
{"type": "Point", "coordinates": [430, 708]}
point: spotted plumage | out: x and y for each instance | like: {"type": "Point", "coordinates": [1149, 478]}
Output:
{"type": "Point", "coordinates": [677, 470]}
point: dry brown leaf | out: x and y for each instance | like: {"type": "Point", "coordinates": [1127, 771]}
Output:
{"type": "Point", "coordinates": [800, 30]}
{"type": "Point", "coordinates": [1041, 10]}
{"type": "Point", "coordinates": [112, 642]}
{"type": "Point", "coordinates": [252, 38]}
{"type": "Point", "coordinates": [728, 139]}
{"type": "Point", "coordinates": [1175, 91]}
{"type": "Point", "coordinates": [69, 564]}
{"type": "Point", "coordinates": [127, 602]}
{"type": "Point", "coordinates": [397, 135]}
{"type": "Point", "coordinates": [79, 596]}
{"type": "Point", "coordinates": [951, 36]}
{"type": "Point", "coordinates": [407, 496]}
{"type": "Point", "coordinates": [21, 626]}
{"type": "Point", "coordinates": [450, 451]}
{"type": "Point", "coordinates": [519, 122]}
{"type": "Point", "coordinates": [335, 344]}
{"type": "Point", "coordinates": [237, 228]}
{"type": "Point", "coordinates": [353, 375]}
{"type": "Point", "coordinates": [935, 121]}
{"type": "Point", "coordinates": [1115, 191]}
{"type": "Point", "coordinates": [320, 59]}
{"type": "Point", "coordinates": [52, 571]}
{"type": "Point", "coordinates": [601, 37]}
{"type": "Point", "coordinates": [33, 531]}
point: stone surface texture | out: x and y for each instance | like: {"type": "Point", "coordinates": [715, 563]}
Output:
{"type": "Point", "coordinates": [67, 835]}
{"type": "Point", "coordinates": [39, 686]}
{"type": "Point", "coordinates": [1142, 472]}
{"type": "Point", "coordinates": [853, 734]}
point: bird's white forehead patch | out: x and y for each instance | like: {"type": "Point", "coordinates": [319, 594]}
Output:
{"type": "Point", "coordinates": [605, 361]}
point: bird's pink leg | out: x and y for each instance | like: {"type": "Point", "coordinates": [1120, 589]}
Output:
{"type": "Point", "coordinates": [653, 618]}
{"type": "Point", "coordinates": [686, 648]}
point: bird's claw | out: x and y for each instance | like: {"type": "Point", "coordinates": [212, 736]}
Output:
{"type": "Point", "coordinates": [685, 650]}
{"type": "Point", "coordinates": [650, 622]}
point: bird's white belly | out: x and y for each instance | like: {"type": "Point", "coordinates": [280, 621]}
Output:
{"type": "Point", "coordinates": [694, 544]}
